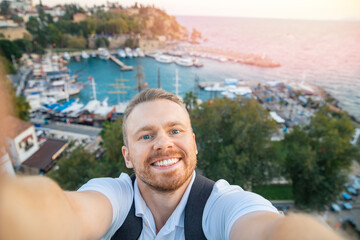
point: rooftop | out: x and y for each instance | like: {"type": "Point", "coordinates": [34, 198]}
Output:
{"type": "Point", "coordinates": [45, 157]}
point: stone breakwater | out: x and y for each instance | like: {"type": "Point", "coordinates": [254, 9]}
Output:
{"type": "Point", "coordinates": [250, 59]}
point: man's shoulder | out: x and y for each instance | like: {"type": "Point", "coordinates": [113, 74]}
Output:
{"type": "Point", "coordinates": [123, 183]}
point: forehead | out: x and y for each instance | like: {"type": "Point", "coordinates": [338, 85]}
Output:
{"type": "Point", "coordinates": [156, 112]}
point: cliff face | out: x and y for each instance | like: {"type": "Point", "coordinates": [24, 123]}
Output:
{"type": "Point", "coordinates": [156, 22]}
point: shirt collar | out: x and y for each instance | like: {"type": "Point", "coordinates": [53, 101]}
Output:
{"type": "Point", "coordinates": [176, 218]}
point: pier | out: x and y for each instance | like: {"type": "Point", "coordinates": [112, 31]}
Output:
{"type": "Point", "coordinates": [121, 64]}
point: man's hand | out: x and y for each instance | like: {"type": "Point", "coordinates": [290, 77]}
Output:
{"type": "Point", "coordinates": [37, 208]}
{"type": "Point", "coordinates": [272, 226]}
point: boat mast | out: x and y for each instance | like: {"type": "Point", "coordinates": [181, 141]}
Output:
{"type": "Point", "coordinates": [159, 82]}
{"type": "Point", "coordinates": [119, 86]}
{"type": "Point", "coordinates": [93, 87]}
{"type": "Point", "coordinates": [140, 78]}
{"type": "Point", "coordinates": [67, 81]}
{"type": "Point", "coordinates": [176, 83]}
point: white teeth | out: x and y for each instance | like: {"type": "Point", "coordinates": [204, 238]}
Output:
{"type": "Point", "coordinates": [167, 162]}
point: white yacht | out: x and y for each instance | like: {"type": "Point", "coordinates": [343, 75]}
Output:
{"type": "Point", "coordinates": [164, 58]}
{"type": "Point", "coordinates": [84, 55]}
{"type": "Point", "coordinates": [103, 53]}
{"type": "Point", "coordinates": [186, 62]}
{"type": "Point", "coordinates": [128, 52]}
{"type": "Point", "coordinates": [134, 52]}
{"type": "Point", "coordinates": [140, 52]}
{"type": "Point", "coordinates": [93, 54]}
{"type": "Point", "coordinates": [67, 56]}
{"type": "Point", "coordinates": [121, 53]}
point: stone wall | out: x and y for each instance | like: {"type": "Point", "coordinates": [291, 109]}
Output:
{"type": "Point", "coordinates": [150, 45]}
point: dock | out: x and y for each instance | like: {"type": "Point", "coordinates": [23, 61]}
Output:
{"type": "Point", "coordinates": [121, 64]}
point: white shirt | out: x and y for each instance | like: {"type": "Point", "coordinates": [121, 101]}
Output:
{"type": "Point", "coordinates": [226, 204]}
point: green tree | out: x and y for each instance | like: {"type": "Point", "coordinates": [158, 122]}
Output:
{"type": "Point", "coordinates": [131, 43]}
{"type": "Point", "coordinates": [102, 42]}
{"type": "Point", "coordinates": [113, 162]}
{"type": "Point", "coordinates": [9, 49]}
{"type": "Point", "coordinates": [16, 18]}
{"type": "Point", "coordinates": [70, 10]}
{"type": "Point", "coordinates": [5, 7]}
{"type": "Point", "coordinates": [190, 100]}
{"type": "Point", "coordinates": [233, 141]}
{"type": "Point", "coordinates": [32, 25]}
{"type": "Point", "coordinates": [75, 169]}
{"type": "Point", "coordinates": [22, 108]}
{"type": "Point", "coordinates": [25, 46]}
{"type": "Point", "coordinates": [318, 156]}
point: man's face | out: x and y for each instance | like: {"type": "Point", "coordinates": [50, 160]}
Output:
{"type": "Point", "coordinates": [161, 145]}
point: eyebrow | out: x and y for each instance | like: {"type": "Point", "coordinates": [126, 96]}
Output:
{"type": "Point", "coordinates": [151, 127]}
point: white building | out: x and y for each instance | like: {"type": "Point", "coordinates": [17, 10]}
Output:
{"type": "Point", "coordinates": [22, 5]}
{"type": "Point", "coordinates": [21, 141]}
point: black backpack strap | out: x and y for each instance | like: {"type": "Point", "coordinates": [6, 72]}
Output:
{"type": "Point", "coordinates": [199, 194]}
{"type": "Point", "coordinates": [132, 226]}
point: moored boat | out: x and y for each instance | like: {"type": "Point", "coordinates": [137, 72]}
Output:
{"type": "Point", "coordinates": [128, 52]}
{"type": "Point", "coordinates": [186, 62]}
{"type": "Point", "coordinates": [84, 55]}
{"type": "Point", "coordinates": [164, 58]}
{"type": "Point", "coordinates": [103, 53]}
{"type": "Point", "coordinates": [121, 53]}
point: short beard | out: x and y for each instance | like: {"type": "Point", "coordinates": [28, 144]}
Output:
{"type": "Point", "coordinates": [170, 184]}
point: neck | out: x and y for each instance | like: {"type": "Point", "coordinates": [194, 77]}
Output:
{"type": "Point", "coordinates": [161, 204]}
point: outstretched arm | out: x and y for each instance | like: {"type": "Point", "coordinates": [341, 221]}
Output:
{"type": "Point", "coordinates": [37, 208]}
{"type": "Point", "coordinates": [272, 226]}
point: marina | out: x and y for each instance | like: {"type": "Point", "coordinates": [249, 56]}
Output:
{"type": "Point", "coordinates": [289, 103]}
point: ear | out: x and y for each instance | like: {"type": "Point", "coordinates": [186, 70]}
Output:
{"type": "Point", "coordinates": [125, 153]}
{"type": "Point", "coordinates": [196, 151]}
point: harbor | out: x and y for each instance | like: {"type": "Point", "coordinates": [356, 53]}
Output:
{"type": "Point", "coordinates": [56, 94]}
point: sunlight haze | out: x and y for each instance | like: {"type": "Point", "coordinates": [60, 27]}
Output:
{"type": "Point", "coordinates": [293, 9]}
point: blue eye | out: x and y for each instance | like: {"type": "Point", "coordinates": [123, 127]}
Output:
{"type": "Point", "coordinates": [175, 131]}
{"type": "Point", "coordinates": [146, 137]}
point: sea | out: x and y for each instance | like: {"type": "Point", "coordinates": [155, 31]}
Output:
{"type": "Point", "coordinates": [324, 53]}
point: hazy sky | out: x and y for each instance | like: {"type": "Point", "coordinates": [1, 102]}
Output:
{"type": "Point", "coordinates": [300, 9]}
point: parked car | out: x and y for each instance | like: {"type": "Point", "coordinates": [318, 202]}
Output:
{"type": "Point", "coordinates": [347, 206]}
{"type": "Point", "coordinates": [346, 196]}
{"type": "Point", "coordinates": [352, 191]}
{"type": "Point", "coordinates": [335, 207]}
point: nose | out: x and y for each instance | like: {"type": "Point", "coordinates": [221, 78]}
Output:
{"type": "Point", "coordinates": [163, 141]}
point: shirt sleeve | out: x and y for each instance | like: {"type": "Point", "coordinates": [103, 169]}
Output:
{"type": "Point", "coordinates": [120, 193]}
{"type": "Point", "coordinates": [226, 204]}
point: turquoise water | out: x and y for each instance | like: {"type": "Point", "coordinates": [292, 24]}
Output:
{"type": "Point", "coordinates": [105, 73]}
{"type": "Point", "coordinates": [325, 53]}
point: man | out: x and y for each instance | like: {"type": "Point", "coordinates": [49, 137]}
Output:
{"type": "Point", "coordinates": [160, 146]}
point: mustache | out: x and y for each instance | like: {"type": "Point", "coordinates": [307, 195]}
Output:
{"type": "Point", "coordinates": [160, 154]}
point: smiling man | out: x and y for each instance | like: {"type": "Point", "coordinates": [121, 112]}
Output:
{"type": "Point", "coordinates": [166, 200]}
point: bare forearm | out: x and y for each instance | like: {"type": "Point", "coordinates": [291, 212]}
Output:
{"type": "Point", "coordinates": [302, 227]}
{"type": "Point", "coordinates": [35, 208]}
{"type": "Point", "coordinates": [271, 226]}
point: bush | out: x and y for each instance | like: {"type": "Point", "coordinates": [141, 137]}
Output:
{"type": "Point", "coordinates": [9, 49]}
{"type": "Point", "coordinates": [102, 42]}
{"type": "Point", "coordinates": [76, 42]}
